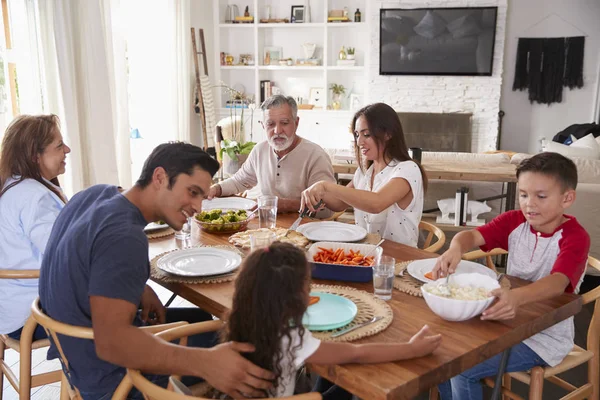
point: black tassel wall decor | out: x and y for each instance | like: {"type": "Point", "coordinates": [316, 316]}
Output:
{"type": "Point", "coordinates": [545, 66]}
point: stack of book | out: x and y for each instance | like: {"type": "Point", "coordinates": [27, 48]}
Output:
{"type": "Point", "coordinates": [266, 90]}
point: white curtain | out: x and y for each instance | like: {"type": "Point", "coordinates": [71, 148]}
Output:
{"type": "Point", "coordinates": [85, 55]}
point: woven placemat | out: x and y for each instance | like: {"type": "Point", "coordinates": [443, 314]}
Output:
{"type": "Point", "coordinates": [368, 306]}
{"type": "Point", "coordinates": [163, 276]}
{"type": "Point", "coordinates": [407, 284]}
{"type": "Point", "coordinates": [372, 238]}
{"type": "Point", "coordinates": [160, 234]}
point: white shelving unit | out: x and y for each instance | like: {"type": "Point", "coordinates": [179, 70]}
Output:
{"type": "Point", "coordinates": [296, 81]}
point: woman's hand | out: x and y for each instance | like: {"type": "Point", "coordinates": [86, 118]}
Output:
{"type": "Point", "coordinates": [311, 196]}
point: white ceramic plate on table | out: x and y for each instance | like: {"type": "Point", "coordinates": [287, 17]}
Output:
{"type": "Point", "coordinates": [153, 226]}
{"type": "Point", "coordinates": [228, 203]}
{"type": "Point", "coordinates": [199, 261]}
{"type": "Point", "coordinates": [418, 269]}
{"type": "Point", "coordinates": [330, 231]}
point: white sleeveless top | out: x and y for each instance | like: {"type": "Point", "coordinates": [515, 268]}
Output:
{"type": "Point", "coordinates": [394, 223]}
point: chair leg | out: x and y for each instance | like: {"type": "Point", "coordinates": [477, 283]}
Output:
{"type": "Point", "coordinates": [536, 387]}
{"type": "Point", "coordinates": [2, 349]}
{"type": "Point", "coordinates": [593, 376]}
{"type": "Point", "coordinates": [434, 394]}
{"type": "Point", "coordinates": [64, 387]}
{"type": "Point", "coordinates": [506, 383]}
{"type": "Point", "coordinates": [25, 359]}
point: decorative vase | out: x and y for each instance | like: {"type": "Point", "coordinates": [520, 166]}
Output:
{"type": "Point", "coordinates": [337, 101]}
{"type": "Point", "coordinates": [230, 166]}
{"type": "Point", "coordinates": [350, 57]}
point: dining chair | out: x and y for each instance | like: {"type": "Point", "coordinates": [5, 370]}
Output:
{"type": "Point", "coordinates": [54, 327]}
{"type": "Point", "coordinates": [578, 356]}
{"type": "Point", "coordinates": [24, 347]}
{"type": "Point", "coordinates": [178, 390]}
{"type": "Point", "coordinates": [433, 231]}
{"type": "Point", "coordinates": [477, 254]}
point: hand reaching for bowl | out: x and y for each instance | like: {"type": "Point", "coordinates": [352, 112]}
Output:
{"type": "Point", "coordinates": [505, 306]}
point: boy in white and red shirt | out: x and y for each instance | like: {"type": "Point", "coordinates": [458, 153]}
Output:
{"type": "Point", "coordinates": [545, 246]}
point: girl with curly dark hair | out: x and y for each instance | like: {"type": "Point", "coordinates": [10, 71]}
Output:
{"type": "Point", "coordinates": [271, 296]}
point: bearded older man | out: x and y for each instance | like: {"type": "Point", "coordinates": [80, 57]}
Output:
{"type": "Point", "coordinates": [285, 164]}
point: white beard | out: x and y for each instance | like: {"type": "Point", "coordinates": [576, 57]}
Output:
{"type": "Point", "coordinates": [280, 147]}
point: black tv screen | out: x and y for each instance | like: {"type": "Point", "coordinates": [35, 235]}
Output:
{"type": "Point", "coordinates": [437, 41]}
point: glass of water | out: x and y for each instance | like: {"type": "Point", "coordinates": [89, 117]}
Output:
{"type": "Point", "coordinates": [267, 211]}
{"type": "Point", "coordinates": [186, 231]}
{"type": "Point", "coordinates": [261, 239]}
{"type": "Point", "coordinates": [383, 277]}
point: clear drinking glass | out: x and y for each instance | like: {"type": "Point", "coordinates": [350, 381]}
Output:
{"type": "Point", "coordinates": [383, 277]}
{"type": "Point", "coordinates": [267, 211]}
{"type": "Point", "coordinates": [259, 240]}
{"type": "Point", "coordinates": [186, 231]}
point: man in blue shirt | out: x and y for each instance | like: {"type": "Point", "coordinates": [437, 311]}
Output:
{"type": "Point", "coordinates": [95, 271]}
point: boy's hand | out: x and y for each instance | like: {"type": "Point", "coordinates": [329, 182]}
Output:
{"type": "Point", "coordinates": [504, 308]}
{"type": "Point", "coordinates": [424, 342]}
{"type": "Point", "coordinates": [446, 263]}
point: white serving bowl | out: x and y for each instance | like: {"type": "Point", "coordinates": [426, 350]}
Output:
{"type": "Point", "coordinates": [460, 310]}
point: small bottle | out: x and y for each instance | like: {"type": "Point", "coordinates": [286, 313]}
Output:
{"type": "Point", "coordinates": [246, 12]}
{"type": "Point", "coordinates": [342, 55]}
{"type": "Point", "coordinates": [357, 15]}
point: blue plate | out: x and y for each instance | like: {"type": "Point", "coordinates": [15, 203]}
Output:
{"type": "Point", "coordinates": [331, 312]}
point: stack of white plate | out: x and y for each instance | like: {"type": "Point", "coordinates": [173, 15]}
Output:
{"type": "Point", "coordinates": [199, 262]}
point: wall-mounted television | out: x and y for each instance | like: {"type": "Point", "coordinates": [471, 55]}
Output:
{"type": "Point", "coordinates": [437, 41]}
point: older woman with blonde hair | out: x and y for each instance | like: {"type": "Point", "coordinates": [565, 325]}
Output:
{"type": "Point", "coordinates": [32, 157]}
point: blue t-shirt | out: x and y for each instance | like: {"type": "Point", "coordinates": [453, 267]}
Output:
{"type": "Point", "coordinates": [97, 248]}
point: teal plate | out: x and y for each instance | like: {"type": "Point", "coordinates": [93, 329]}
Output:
{"type": "Point", "coordinates": [331, 312]}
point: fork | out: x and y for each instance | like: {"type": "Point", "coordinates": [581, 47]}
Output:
{"type": "Point", "coordinates": [444, 288]}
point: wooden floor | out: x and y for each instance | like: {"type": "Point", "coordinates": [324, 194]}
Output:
{"type": "Point", "coordinates": [577, 376]}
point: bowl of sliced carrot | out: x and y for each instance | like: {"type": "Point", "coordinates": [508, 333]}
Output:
{"type": "Point", "coordinates": [350, 262]}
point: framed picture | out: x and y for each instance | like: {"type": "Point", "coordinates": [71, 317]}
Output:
{"type": "Point", "coordinates": [317, 97]}
{"type": "Point", "coordinates": [355, 102]}
{"type": "Point", "coordinates": [272, 55]}
{"type": "Point", "coordinates": [297, 14]}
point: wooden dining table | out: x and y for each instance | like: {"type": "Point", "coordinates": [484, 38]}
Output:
{"type": "Point", "coordinates": [464, 344]}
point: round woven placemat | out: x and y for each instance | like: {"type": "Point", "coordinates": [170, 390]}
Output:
{"type": "Point", "coordinates": [407, 284]}
{"type": "Point", "coordinates": [368, 306]}
{"type": "Point", "coordinates": [163, 276]}
{"type": "Point", "coordinates": [372, 238]}
{"type": "Point", "coordinates": [160, 234]}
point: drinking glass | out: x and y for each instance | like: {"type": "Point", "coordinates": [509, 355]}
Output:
{"type": "Point", "coordinates": [267, 211]}
{"type": "Point", "coordinates": [260, 240]}
{"type": "Point", "coordinates": [186, 231]}
{"type": "Point", "coordinates": [383, 277]}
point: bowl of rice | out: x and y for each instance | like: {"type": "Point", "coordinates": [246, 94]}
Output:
{"type": "Point", "coordinates": [469, 296]}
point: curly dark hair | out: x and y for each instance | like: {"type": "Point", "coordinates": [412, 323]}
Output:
{"type": "Point", "coordinates": [271, 295]}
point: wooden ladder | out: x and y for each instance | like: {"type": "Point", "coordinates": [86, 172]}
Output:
{"type": "Point", "coordinates": [196, 53]}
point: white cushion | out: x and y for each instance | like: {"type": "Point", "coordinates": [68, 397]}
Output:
{"type": "Point", "coordinates": [570, 151]}
{"type": "Point", "coordinates": [464, 26]}
{"type": "Point", "coordinates": [431, 25]}
{"type": "Point", "coordinates": [589, 142]}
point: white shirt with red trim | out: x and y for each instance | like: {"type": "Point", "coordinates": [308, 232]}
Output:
{"type": "Point", "coordinates": [534, 255]}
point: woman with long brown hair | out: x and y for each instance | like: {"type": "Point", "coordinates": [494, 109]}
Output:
{"type": "Point", "coordinates": [31, 158]}
{"type": "Point", "coordinates": [271, 296]}
{"type": "Point", "coordinates": [387, 190]}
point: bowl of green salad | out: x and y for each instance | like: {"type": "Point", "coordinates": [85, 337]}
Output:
{"type": "Point", "coordinates": [222, 221]}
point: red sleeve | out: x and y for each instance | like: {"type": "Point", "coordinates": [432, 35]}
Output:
{"type": "Point", "coordinates": [496, 232]}
{"type": "Point", "coordinates": [572, 258]}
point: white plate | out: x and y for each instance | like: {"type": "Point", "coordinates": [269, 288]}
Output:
{"type": "Point", "coordinates": [418, 269]}
{"type": "Point", "coordinates": [153, 226]}
{"type": "Point", "coordinates": [329, 231]}
{"type": "Point", "coordinates": [228, 203]}
{"type": "Point", "coordinates": [199, 261]}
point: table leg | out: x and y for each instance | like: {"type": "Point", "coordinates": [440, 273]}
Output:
{"type": "Point", "coordinates": [501, 370]}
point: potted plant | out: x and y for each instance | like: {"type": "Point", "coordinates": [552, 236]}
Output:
{"type": "Point", "coordinates": [338, 91]}
{"type": "Point", "coordinates": [350, 52]}
{"type": "Point", "coordinates": [234, 148]}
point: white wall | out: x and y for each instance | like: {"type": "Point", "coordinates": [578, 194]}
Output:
{"type": "Point", "coordinates": [525, 123]}
{"type": "Point", "coordinates": [201, 17]}
{"type": "Point", "coordinates": [443, 94]}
